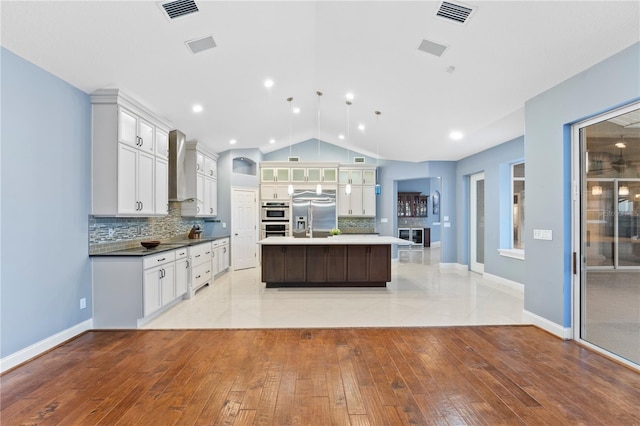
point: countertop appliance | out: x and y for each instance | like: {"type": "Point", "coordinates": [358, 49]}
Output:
{"type": "Point", "coordinates": [314, 214]}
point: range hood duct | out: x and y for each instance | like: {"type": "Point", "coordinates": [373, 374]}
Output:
{"type": "Point", "coordinates": [177, 170]}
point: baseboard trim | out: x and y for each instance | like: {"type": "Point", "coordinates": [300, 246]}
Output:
{"type": "Point", "coordinates": [509, 284]}
{"type": "Point", "coordinates": [38, 348]}
{"type": "Point", "coordinates": [435, 244]}
{"type": "Point", "coordinates": [454, 266]}
{"type": "Point", "coordinates": [550, 326]}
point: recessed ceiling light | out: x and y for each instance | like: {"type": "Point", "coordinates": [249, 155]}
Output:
{"type": "Point", "coordinates": [268, 83]}
{"type": "Point", "coordinates": [456, 136]}
{"type": "Point", "coordinates": [621, 145]}
{"type": "Point", "coordinates": [296, 110]}
{"type": "Point", "coordinates": [349, 96]}
{"type": "Point", "coordinates": [197, 108]}
{"type": "Point", "coordinates": [272, 140]}
{"type": "Point", "coordinates": [232, 141]}
{"type": "Point", "coordinates": [361, 127]}
{"type": "Point", "coordinates": [340, 136]}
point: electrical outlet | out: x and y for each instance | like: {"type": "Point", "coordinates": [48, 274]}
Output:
{"type": "Point", "coordinates": [384, 220]}
{"type": "Point", "coordinates": [224, 224]}
{"type": "Point", "coordinates": [83, 303]}
{"type": "Point", "coordinates": [111, 232]}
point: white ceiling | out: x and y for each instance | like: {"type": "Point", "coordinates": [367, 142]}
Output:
{"type": "Point", "coordinates": [508, 52]}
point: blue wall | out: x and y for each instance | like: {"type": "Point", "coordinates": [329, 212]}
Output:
{"type": "Point", "coordinates": [548, 116]}
{"type": "Point", "coordinates": [46, 158]}
{"type": "Point", "coordinates": [495, 163]}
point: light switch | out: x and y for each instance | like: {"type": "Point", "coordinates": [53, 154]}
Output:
{"type": "Point", "coordinates": [384, 220]}
{"type": "Point", "coordinates": [446, 218]}
{"type": "Point", "coordinates": [447, 224]}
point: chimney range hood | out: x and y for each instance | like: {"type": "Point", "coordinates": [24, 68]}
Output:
{"type": "Point", "coordinates": [177, 171]}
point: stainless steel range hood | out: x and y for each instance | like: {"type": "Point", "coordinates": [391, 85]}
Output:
{"type": "Point", "coordinates": [177, 170]}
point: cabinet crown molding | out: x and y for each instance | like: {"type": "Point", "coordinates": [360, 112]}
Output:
{"type": "Point", "coordinates": [117, 96]}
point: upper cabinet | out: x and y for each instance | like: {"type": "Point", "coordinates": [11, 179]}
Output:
{"type": "Point", "coordinates": [412, 204]}
{"type": "Point", "coordinates": [314, 174]}
{"type": "Point", "coordinates": [275, 174]}
{"type": "Point", "coordinates": [129, 157]}
{"type": "Point", "coordinates": [201, 173]}
{"type": "Point", "coordinates": [361, 200]}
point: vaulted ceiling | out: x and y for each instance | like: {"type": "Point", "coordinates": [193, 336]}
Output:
{"type": "Point", "coordinates": [505, 53]}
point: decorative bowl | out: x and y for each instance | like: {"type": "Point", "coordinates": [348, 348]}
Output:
{"type": "Point", "coordinates": [150, 244]}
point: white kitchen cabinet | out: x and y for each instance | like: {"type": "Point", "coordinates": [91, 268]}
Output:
{"type": "Point", "coordinates": [183, 274]}
{"type": "Point", "coordinates": [361, 202]}
{"type": "Point", "coordinates": [127, 139]}
{"type": "Point", "coordinates": [223, 254]}
{"type": "Point", "coordinates": [161, 186]}
{"type": "Point", "coordinates": [162, 144]}
{"type": "Point", "coordinates": [201, 266]}
{"type": "Point", "coordinates": [131, 290]}
{"type": "Point", "coordinates": [201, 173]}
{"type": "Point", "coordinates": [275, 174]}
{"type": "Point", "coordinates": [313, 175]}
{"type": "Point", "coordinates": [135, 181]}
{"type": "Point", "coordinates": [274, 192]}
{"type": "Point", "coordinates": [135, 131]}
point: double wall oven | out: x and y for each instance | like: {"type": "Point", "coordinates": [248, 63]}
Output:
{"type": "Point", "coordinates": [275, 219]}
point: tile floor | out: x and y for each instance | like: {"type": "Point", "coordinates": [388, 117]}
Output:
{"type": "Point", "coordinates": [420, 294]}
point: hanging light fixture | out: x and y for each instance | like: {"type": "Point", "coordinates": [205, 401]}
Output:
{"type": "Point", "coordinates": [318, 186]}
{"type": "Point", "coordinates": [290, 187]}
{"type": "Point", "coordinates": [623, 190]}
{"type": "Point", "coordinates": [347, 189]}
{"type": "Point", "coordinates": [378, 187]}
{"type": "Point", "coordinates": [596, 190]}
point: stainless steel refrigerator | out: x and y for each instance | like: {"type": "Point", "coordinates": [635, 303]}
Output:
{"type": "Point", "coordinates": [314, 215]}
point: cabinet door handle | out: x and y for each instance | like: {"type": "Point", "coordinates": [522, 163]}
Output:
{"type": "Point", "coordinates": [160, 260]}
{"type": "Point", "coordinates": [141, 205]}
{"type": "Point", "coordinates": [197, 255]}
{"type": "Point", "coordinates": [225, 250]}
{"type": "Point", "coordinates": [187, 265]}
{"type": "Point", "coordinates": [208, 252]}
{"type": "Point", "coordinates": [208, 271]}
{"type": "Point", "coordinates": [198, 276]}
{"type": "Point", "coordinates": [197, 209]}
{"type": "Point", "coordinates": [210, 172]}
{"type": "Point", "coordinates": [197, 166]}
{"type": "Point", "coordinates": [141, 142]}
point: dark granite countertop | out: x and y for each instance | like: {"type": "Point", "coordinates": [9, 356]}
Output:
{"type": "Point", "coordinates": [164, 246]}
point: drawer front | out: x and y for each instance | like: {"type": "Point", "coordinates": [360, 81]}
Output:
{"type": "Point", "coordinates": [181, 253]}
{"type": "Point", "coordinates": [158, 259]}
{"type": "Point", "coordinates": [200, 253]}
{"type": "Point", "coordinates": [224, 242]}
{"type": "Point", "coordinates": [215, 244]}
{"type": "Point", "coordinates": [201, 274]}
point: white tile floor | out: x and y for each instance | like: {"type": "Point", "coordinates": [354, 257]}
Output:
{"type": "Point", "coordinates": [420, 294]}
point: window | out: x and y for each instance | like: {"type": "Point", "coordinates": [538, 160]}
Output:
{"type": "Point", "coordinates": [517, 192]}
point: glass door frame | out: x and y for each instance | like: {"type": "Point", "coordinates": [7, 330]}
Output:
{"type": "Point", "coordinates": [474, 265]}
{"type": "Point", "coordinates": [578, 233]}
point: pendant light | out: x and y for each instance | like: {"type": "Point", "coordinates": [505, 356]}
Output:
{"type": "Point", "coordinates": [290, 187]}
{"type": "Point", "coordinates": [596, 190]}
{"type": "Point", "coordinates": [623, 190]}
{"type": "Point", "coordinates": [318, 186]}
{"type": "Point", "coordinates": [347, 189]}
{"type": "Point", "coordinates": [378, 187]}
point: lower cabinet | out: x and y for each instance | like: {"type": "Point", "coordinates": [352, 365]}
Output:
{"type": "Point", "coordinates": [326, 264]}
{"type": "Point", "coordinates": [128, 290]}
{"type": "Point", "coordinates": [337, 265]}
{"type": "Point", "coordinates": [223, 255]}
{"type": "Point", "coordinates": [369, 263]}
{"type": "Point", "coordinates": [284, 264]}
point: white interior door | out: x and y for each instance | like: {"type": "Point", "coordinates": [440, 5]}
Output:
{"type": "Point", "coordinates": [476, 225]}
{"type": "Point", "coordinates": [244, 228]}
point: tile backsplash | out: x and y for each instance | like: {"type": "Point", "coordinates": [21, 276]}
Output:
{"type": "Point", "coordinates": [357, 225]}
{"type": "Point", "coordinates": [119, 233]}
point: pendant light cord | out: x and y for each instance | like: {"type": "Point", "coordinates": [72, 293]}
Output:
{"type": "Point", "coordinates": [290, 124]}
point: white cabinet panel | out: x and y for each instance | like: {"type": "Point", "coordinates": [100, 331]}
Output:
{"type": "Point", "coordinates": [127, 180]}
{"type": "Point", "coordinates": [161, 183]}
{"type": "Point", "coordinates": [146, 186]}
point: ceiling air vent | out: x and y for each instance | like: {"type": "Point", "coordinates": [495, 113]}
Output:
{"type": "Point", "coordinates": [294, 158]}
{"type": "Point", "coordinates": [432, 47]}
{"type": "Point", "coordinates": [200, 44]}
{"type": "Point", "coordinates": [454, 12]}
{"type": "Point", "coordinates": [178, 8]}
{"type": "Point", "coordinates": [358, 159]}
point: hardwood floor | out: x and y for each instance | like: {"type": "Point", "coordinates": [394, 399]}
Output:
{"type": "Point", "coordinates": [355, 376]}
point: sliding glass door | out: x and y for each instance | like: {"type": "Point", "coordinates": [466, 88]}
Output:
{"type": "Point", "coordinates": [609, 233]}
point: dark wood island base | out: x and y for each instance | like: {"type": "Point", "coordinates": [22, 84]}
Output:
{"type": "Point", "coordinates": [331, 265]}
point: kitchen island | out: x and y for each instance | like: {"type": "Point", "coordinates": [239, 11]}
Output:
{"type": "Point", "coordinates": [338, 261]}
